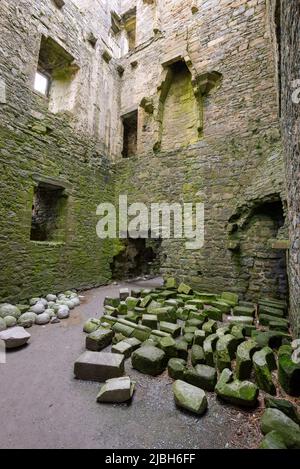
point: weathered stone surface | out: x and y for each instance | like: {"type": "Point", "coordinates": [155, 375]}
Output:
{"type": "Point", "coordinates": [2, 325]}
{"type": "Point", "coordinates": [284, 406]}
{"type": "Point", "coordinates": [186, 289]}
{"type": "Point", "coordinates": [202, 376]}
{"type": "Point", "coordinates": [7, 309]}
{"type": "Point", "coordinates": [288, 371]}
{"type": "Point", "coordinates": [99, 366]}
{"type": "Point", "coordinates": [132, 302]}
{"type": "Point", "coordinates": [149, 360]}
{"type": "Point", "coordinates": [225, 351]}
{"type": "Point", "coordinates": [15, 337]}
{"type": "Point", "coordinates": [126, 347]}
{"type": "Point", "coordinates": [10, 321]}
{"type": "Point", "coordinates": [210, 327]}
{"type": "Point", "coordinates": [240, 393]}
{"type": "Point", "coordinates": [240, 320]}
{"type": "Point", "coordinates": [124, 293]}
{"type": "Point", "coordinates": [168, 345]}
{"type": "Point", "coordinates": [27, 320]}
{"type": "Point", "coordinates": [214, 313]}
{"type": "Point", "coordinates": [116, 390]}
{"type": "Point", "coordinates": [243, 311]}
{"type": "Point", "coordinates": [244, 356]}
{"type": "Point", "coordinates": [209, 347]}
{"type": "Point", "coordinates": [91, 325]}
{"type": "Point", "coordinates": [182, 349]}
{"type": "Point", "coordinates": [271, 339]}
{"type": "Point", "coordinates": [275, 420]}
{"type": "Point", "coordinates": [170, 328]}
{"type": "Point", "coordinates": [42, 319]}
{"type": "Point", "coordinates": [150, 320]}
{"type": "Point", "coordinates": [189, 397]}
{"type": "Point", "coordinates": [197, 355]}
{"type": "Point", "coordinates": [176, 368]}
{"type": "Point", "coordinates": [199, 337]}
{"type": "Point", "coordinates": [230, 298]}
{"type": "Point", "coordinates": [98, 339]}
{"type": "Point", "coordinates": [273, 440]}
{"type": "Point", "coordinates": [263, 363]}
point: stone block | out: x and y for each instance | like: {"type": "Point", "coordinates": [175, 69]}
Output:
{"type": "Point", "coordinates": [197, 355]}
{"type": "Point", "coordinates": [176, 368]}
{"type": "Point", "coordinates": [149, 360]}
{"type": "Point", "coordinates": [289, 431]}
{"type": "Point", "coordinates": [263, 363]}
{"type": "Point", "coordinates": [116, 390]}
{"type": "Point", "coordinates": [189, 397]}
{"type": "Point", "coordinates": [170, 328]}
{"type": "Point", "coordinates": [240, 393]}
{"type": "Point", "coordinates": [99, 366]}
{"type": "Point", "coordinates": [244, 354]}
{"type": "Point", "coordinates": [150, 320]}
{"type": "Point", "coordinates": [99, 339]}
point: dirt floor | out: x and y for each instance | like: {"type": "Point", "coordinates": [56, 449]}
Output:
{"type": "Point", "coordinates": [43, 406]}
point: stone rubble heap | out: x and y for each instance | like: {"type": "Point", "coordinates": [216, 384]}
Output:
{"type": "Point", "coordinates": [207, 342]}
{"type": "Point", "coordinates": [14, 319]}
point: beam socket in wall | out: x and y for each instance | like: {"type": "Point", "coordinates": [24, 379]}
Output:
{"type": "Point", "coordinates": [59, 3]}
{"type": "Point", "coordinates": [92, 39]}
{"type": "Point", "coordinates": [106, 56]}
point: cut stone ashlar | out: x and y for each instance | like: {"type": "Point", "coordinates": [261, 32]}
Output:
{"type": "Point", "coordinates": [168, 345]}
{"type": "Point", "coordinates": [263, 363]}
{"type": "Point", "coordinates": [99, 366]}
{"type": "Point", "coordinates": [275, 420]}
{"type": "Point", "coordinates": [176, 368]}
{"type": "Point", "coordinates": [126, 347]}
{"type": "Point", "coordinates": [189, 397]}
{"type": "Point", "coordinates": [197, 355]}
{"type": "Point", "coordinates": [150, 320]}
{"type": "Point", "coordinates": [202, 376]}
{"type": "Point", "coordinates": [91, 325]}
{"type": "Point", "coordinates": [209, 347]}
{"type": "Point", "coordinates": [288, 371]}
{"type": "Point", "coordinates": [230, 298]}
{"type": "Point", "coordinates": [240, 393]}
{"type": "Point", "coordinates": [116, 390]}
{"type": "Point", "coordinates": [149, 360]}
{"type": "Point", "coordinates": [272, 440]}
{"type": "Point", "coordinates": [170, 328]}
{"type": "Point", "coordinates": [99, 339]}
{"type": "Point", "coordinates": [243, 311]}
{"type": "Point", "coordinates": [244, 356]}
{"type": "Point", "coordinates": [284, 406]}
{"type": "Point", "coordinates": [199, 337]}
{"type": "Point", "coordinates": [225, 351]}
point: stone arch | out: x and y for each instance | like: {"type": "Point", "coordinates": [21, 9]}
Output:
{"type": "Point", "coordinates": [256, 233]}
{"type": "Point", "coordinates": [180, 103]}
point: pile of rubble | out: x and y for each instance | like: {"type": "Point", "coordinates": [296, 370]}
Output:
{"type": "Point", "coordinates": [208, 343]}
{"type": "Point", "coordinates": [14, 319]}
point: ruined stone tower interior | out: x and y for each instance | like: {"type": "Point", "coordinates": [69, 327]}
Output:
{"type": "Point", "coordinates": [164, 102]}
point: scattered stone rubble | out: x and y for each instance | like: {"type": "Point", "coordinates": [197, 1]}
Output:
{"type": "Point", "coordinates": [14, 319]}
{"type": "Point", "coordinates": [208, 343]}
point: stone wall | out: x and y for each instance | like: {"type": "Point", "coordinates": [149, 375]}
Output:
{"type": "Point", "coordinates": [290, 80]}
{"type": "Point", "coordinates": [201, 79]}
{"type": "Point", "coordinates": [69, 150]}
{"type": "Point", "coordinates": [235, 166]}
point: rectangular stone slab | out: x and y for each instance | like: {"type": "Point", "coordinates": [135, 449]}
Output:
{"type": "Point", "coordinates": [99, 339]}
{"type": "Point", "coordinates": [99, 366]}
